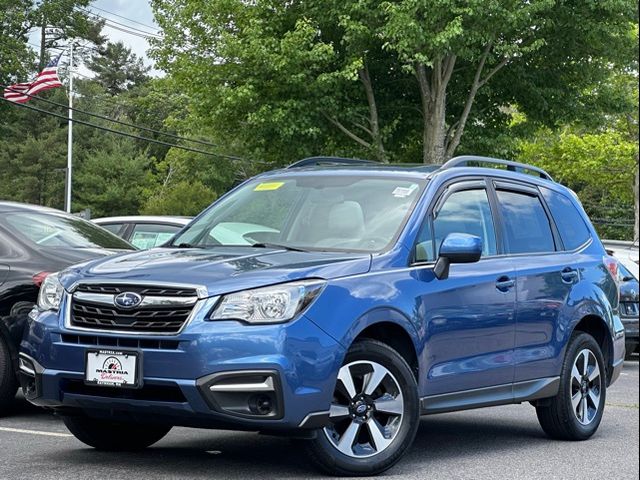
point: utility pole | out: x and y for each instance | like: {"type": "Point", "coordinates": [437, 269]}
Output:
{"type": "Point", "coordinates": [67, 199]}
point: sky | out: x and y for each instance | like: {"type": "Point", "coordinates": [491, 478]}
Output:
{"type": "Point", "coordinates": [133, 11]}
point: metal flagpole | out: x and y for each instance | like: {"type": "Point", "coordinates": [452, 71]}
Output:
{"type": "Point", "coordinates": [67, 199]}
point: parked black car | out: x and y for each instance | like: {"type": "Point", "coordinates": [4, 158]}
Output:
{"type": "Point", "coordinates": [629, 309]}
{"type": "Point", "coordinates": [36, 241]}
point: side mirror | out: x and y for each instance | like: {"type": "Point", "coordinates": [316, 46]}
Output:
{"type": "Point", "coordinates": [457, 248]}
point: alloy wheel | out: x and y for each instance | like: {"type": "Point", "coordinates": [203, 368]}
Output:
{"type": "Point", "coordinates": [586, 387]}
{"type": "Point", "coordinates": [367, 410]}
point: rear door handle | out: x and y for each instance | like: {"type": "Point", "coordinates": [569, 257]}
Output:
{"type": "Point", "coordinates": [569, 275]}
{"type": "Point", "coordinates": [504, 284]}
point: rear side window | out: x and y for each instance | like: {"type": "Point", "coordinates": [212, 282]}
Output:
{"type": "Point", "coordinates": [572, 227]}
{"type": "Point", "coordinates": [527, 227]}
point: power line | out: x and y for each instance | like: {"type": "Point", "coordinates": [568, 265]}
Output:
{"type": "Point", "coordinates": [129, 32]}
{"type": "Point", "coordinates": [125, 18]}
{"type": "Point", "coordinates": [120, 26]}
{"type": "Point", "coordinates": [119, 122]}
{"type": "Point", "coordinates": [130, 135]}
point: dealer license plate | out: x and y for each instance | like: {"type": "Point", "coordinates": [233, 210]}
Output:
{"type": "Point", "coordinates": [112, 368]}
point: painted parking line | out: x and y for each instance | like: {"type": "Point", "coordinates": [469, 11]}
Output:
{"type": "Point", "coordinates": [34, 432]}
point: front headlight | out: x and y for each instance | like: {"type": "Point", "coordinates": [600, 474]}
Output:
{"type": "Point", "coordinates": [50, 294]}
{"type": "Point", "coordinates": [275, 304]}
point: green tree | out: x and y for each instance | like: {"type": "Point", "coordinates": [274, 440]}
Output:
{"type": "Point", "coordinates": [599, 167]}
{"type": "Point", "coordinates": [392, 80]}
{"type": "Point", "coordinates": [117, 68]}
{"type": "Point", "coordinates": [181, 198]}
{"type": "Point", "coordinates": [111, 179]}
{"type": "Point", "coordinates": [15, 56]}
{"type": "Point", "coordinates": [60, 21]}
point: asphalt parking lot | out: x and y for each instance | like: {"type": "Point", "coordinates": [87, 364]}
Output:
{"type": "Point", "coordinates": [494, 443]}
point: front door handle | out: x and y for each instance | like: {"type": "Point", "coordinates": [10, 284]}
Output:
{"type": "Point", "coordinates": [569, 275]}
{"type": "Point", "coordinates": [504, 284]}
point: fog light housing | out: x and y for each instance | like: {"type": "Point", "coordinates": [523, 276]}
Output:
{"type": "Point", "coordinates": [30, 377]}
{"type": "Point", "coordinates": [249, 394]}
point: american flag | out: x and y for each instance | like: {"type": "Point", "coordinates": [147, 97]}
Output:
{"type": "Point", "coordinates": [46, 79]}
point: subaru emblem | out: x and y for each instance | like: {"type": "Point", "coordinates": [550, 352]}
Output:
{"type": "Point", "coordinates": [127, 300]}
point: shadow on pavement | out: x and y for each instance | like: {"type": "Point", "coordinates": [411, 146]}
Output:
{"type": "Point", "coordinates": [247, 455]}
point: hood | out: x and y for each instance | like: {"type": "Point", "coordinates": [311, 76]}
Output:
{"type": "Point", "coordinates": [629, 291]}
{"type": "Point", "coordinates": [220, 270]}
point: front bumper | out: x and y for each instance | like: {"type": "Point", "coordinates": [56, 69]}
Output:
{"type": "Point", "coordinates": [631, 330]}
{"type": "Point", "coordinates": [297, 360]}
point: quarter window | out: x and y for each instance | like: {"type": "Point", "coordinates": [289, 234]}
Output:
{"type": "Point", "coordinates": [527, 227]}
{"type": "Point", "coordinates": [571, 225]}
{"type": "Point", "coordinates": [465, 211]}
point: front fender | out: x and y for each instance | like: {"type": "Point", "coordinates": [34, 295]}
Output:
{"type": "Point", "coordinates": [383, 314]}
{"type": "Point", "coordinates": [350, 305]}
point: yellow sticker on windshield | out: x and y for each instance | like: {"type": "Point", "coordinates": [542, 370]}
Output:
{"type": "Point", "coordinates": [265, 187]}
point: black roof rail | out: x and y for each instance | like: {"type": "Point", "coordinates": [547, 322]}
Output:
{"type": "Point", "coordinates": [465, 160]}
{"type": "Point", "coordinates": [311, 161]}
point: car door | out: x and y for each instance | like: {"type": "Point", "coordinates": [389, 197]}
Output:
{"type": "Point", "coordinates": [469, 316]}
{"type": "Point", "coordinates": [545, 275]}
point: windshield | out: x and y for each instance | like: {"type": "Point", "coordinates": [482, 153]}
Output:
{"type": "Point", "coordinates": [322, 212]}
{"type": "Point", "coordinates": [50, 230]}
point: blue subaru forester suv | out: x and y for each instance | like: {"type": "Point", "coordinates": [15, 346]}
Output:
{"type": "Point", "coordinates": [336, 301]}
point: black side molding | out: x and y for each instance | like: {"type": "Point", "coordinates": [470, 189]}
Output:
{"type": "Point", "coordinates": [491, 396]}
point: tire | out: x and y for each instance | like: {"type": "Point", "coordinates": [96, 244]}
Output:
{"type": "Point", "coordinates": [8, 381]}
{"type": "Point", "coordinates": [354, 444]}
{"type": "Point", "coordinates": [114, 436]}
{"type": "Point", "coordinates": [565, 418]}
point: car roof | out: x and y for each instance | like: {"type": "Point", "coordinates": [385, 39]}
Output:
{"type": "Point", "coordinates": [160, 219]}
{"type": "Point", "coordinates": [464, 166]}
{"type": "Point", "coordinates": [6, 206]}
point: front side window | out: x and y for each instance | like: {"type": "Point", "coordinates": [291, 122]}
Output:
{"type": "Point", "coordinates": [466, 211]}
{"type": "Point", "coordinates": [52, 230]}
{"type": "Point", "coordinates": [571, 226]}
{"type": "Point", "coordinates": [527, 227]}
{"type": "Point", "coordinates": [309, 212]}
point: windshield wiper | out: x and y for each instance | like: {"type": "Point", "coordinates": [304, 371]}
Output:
{"type": "Point", "coordinates": [186, 245]}
{"type": "Point", "coordinates": [277, 245]}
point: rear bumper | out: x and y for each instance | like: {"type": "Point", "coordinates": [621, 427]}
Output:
{"type": "Point", "coordinates": [297, 361]}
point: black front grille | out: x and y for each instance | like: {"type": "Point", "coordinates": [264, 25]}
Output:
{"type": "Point", "coordinates": [157, 393]}
{"type": "Point", "coordinates": [163, 319]}
{"type": "Point", "coordinates": [116, 342]}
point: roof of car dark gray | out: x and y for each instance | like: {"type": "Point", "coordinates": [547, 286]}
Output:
{"type": "Point", "coordinates": [6, 206]}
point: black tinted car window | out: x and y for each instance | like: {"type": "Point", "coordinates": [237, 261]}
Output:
{"type": "Point", "coordinates": [573, 230]}
{"type": "Point", "coordinates": [527, 227]}
{"type": "Point", "coordinates": [466, 211]}
{"type": "Point", "coordinates": [113, 227]}
{"type": "Point", "coordinates": [54, 230]}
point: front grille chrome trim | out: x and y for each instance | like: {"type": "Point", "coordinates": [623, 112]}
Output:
{"type": "Point", "coordinates": [200, 308]}
{"type": "Point", "coordinates": [201, 290]}
{"type": "Point", "coordinates": [147, 301]}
